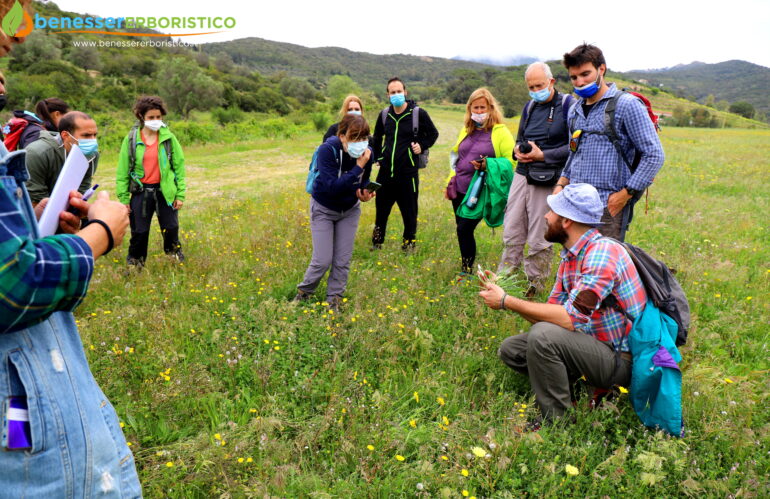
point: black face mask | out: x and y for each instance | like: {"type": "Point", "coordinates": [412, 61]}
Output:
{"type": "Point", "coordinates": [3, 101]}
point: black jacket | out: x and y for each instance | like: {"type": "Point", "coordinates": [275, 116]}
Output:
{"type": "Point", "coordinates": [551, 137]}
{"type": "Point", "coordinates": [394, 150]}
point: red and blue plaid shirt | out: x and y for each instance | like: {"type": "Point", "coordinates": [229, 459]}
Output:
{"type": "Point", "coordinates": [598, 266]}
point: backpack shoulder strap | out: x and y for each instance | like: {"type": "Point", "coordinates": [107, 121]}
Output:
{"type": "Point", "coordinates": [169, 150]}
{"type": "Point", "coordinates": [415, 120]}
{"type": "Point", "coordinates": [384, 117]}
{"type": "Point", "coordinates": [609, 125]}
{"type": "Point", "coordinates": [132, 149]}
{"type": "Point", "coordinates": [526, 113]}
{"type": "Point", "coordinates": [566, 102]}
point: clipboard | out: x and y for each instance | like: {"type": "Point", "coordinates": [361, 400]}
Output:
{"type": "Point", "coordinates": [70, 178]}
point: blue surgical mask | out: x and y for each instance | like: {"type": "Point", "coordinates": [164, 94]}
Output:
{"type": "Point", "coordinates": [589, 90]}
{"type": "Point", "coordinates": [540, 95]}
{"type": "Point", "coordinates": [357, 113]}
{"type": "Point", "coordinates": [356, 149]}
{"type": "Point", "coordinates": [397, 100]}
{"type": "Point", "coordinates": [89, 147]}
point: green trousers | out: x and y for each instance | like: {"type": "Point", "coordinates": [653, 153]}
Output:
{"type": "Point", "coordinates": [554, 357]}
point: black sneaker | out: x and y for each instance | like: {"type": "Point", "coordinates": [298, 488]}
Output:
{"type": "Point", "coordinates": [375, 247]}
{"type": "Point", "coordinates": [408, 246]}
{"type": "Point", "coordinates": [178, 255]}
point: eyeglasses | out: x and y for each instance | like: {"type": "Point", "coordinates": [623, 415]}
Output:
{"type": "Point", "coordinates": [574, 142]}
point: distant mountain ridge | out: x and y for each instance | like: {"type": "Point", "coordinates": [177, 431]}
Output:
{"type": "Point", "coordinates": [730, 81]}
{"type": "Point", "coordinates": [318, 64]}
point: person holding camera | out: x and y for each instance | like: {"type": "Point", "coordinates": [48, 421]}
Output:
{"type": "Point", "coordinates": [344, 165]}
{"type": "Point", "coordinates": [542, 147]}
{"type": "Point", "coordinates": [485, 145]}
{"type": "Point", "coordinates": [150, 177]}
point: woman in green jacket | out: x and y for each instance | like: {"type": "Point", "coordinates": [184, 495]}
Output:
{"type": "Point", "coordinates": [484, 145]}
{"type": "Point", "coordinates": [151, 177]}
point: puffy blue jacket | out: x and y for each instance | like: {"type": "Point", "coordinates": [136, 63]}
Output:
{"type": "Point", "coordinates": [656, 381]}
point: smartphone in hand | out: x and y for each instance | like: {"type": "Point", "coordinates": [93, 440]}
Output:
{"type": "Point", "coordinates": [372, 186]}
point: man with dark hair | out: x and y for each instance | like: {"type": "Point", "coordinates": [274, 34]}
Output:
{"type": "Point", "coordinates": [583, 328]}
{"type": "Point", "coordinates": [45, 156]}
{"type": "Point", "coordinates": [396, 150]}
{"type": "Point", "coordinates": [620, 169]}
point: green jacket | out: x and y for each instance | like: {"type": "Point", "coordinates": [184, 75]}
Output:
{"type": "Point", "coordinates": [494, 193]}
{"type": "Point", "coordinates": [172, 179]}
{"type": "Point", "coordinates": [45, 159]}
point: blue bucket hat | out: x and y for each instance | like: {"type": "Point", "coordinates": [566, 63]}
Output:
{"type": "Point", "coordinates": [578, 202]}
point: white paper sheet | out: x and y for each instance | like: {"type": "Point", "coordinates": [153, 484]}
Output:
{"type": "Point", "coordinates": [70, 178]}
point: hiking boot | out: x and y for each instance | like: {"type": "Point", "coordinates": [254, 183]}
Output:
{"type": "Point", "coordinates": [301, 296]}
{"type": "Point", "coordinates": [178, 255]}
{"type": "Point", "coordinates": [531, 291]}
{"type": "Point", "coordinates": [135, 262]}
{"type": "Point", "coordinates": [375, 247]}
{"type": "Point", "coordinates": [464, 276]}
{"type": "Point", "coordinates": [408, 246]}
{"type": "Point", "coordinates": [335, 302]}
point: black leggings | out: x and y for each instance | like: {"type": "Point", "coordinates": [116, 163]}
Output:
{"type": "Point", "coordinates": [465, 229]}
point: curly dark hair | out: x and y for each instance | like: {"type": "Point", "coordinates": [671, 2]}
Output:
{"type": "Point", "coordinates": [148, 103]}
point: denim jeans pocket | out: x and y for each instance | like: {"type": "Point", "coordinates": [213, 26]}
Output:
{"type": "Point", "coordinates": [19, 369]}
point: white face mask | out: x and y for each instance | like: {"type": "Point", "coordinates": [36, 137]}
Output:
{"type": "Point", "coordinates": [479, 118]}
{"type": "Point", "coordinates": [154, 125]}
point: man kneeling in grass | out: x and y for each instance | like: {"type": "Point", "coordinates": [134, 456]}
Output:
{"type": "Point", "coordinates": [583, 328]}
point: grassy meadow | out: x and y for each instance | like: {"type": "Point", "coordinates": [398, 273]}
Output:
{"type": "Point", "coordinates": [226, 389]}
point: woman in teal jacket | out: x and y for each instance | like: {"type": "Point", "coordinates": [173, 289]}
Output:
{"type": "Point", "coordinates": [484, 145]}
{"type": "Point", "coordinates": [151, 177]}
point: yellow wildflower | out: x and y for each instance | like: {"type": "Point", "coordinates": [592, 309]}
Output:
{"type": "Point", "coordinates": [571, 470]}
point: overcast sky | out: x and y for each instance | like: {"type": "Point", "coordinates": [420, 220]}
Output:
{"type": "Point", "coordinates": [638, 35]}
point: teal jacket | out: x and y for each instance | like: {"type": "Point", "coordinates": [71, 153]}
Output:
{"type": "Point", "coordinates": [172, 176]}
{"type": "Point", "coordinates": [656, 381]}
{"type": "Point", "coordinates": [494, 193]}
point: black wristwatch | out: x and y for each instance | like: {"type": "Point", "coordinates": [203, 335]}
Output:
{"type": "Point", "coordinates": [632, 192]}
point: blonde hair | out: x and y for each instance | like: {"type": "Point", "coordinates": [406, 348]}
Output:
{"type": "Point", "coordinates": [494, 113]}
{"type": "Point", "coordinates": [346, 103]}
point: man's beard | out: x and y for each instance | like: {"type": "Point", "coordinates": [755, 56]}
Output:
{"type": "Point", "coordinates": [555, 233]}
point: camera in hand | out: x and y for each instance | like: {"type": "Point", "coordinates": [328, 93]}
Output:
{"type": "Point", "coordinates": [525, 147]}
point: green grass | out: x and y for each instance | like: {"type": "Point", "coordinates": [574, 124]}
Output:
{"type": "Point", "coordinates": [227, 389]}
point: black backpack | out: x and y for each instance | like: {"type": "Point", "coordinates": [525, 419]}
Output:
{"type": "Point", "coordinates": [135, 185]}
{"type": "Point", "coordinates": [422, 158]}
{"type": "Point", "coordinates": [662, 289]}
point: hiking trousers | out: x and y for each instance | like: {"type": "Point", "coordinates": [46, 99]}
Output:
{"type": "Point", "coordinates": [143, 205]}
{"type": "Point", "coordinates": [524, 223]}
{"type": "Point", "coordinates": [554, 357]}
{"type": "Point", "coordinates": [334, 233]}
{"type": "Point", "coordinates": [403, 191]}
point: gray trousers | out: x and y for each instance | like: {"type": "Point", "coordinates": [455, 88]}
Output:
{"type": "Point", "coordinates": [524, 223]}
{"type": "Point", "coordinates": [554, 357]}
{"type": "Point", "coordinates": [334, 233]}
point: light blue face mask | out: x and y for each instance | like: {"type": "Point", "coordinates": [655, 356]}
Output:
{"type": "Point", "coordinates": [89, 147]}
{"type": "Point", "coordinates": [356, 149]}
{"type": "Point", "coordinates": [540, 95]}
{"type": "Point", "coordinates": [397, 100]}
{"type": "Point", "coordinates": [357, 113]}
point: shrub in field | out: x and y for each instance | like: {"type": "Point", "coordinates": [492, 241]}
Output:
{"type": "Point", "coordinates": [223, 116]}
{"type": "Point", "coordinates": [320, 121]}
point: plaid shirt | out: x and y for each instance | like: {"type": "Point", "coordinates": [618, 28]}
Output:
{"type": "Point", "coordinates": [596, 160]}
{"type": "Point", "coordinates": [605, 269]}
{"type": "Point", "coordinates": [37, 277]}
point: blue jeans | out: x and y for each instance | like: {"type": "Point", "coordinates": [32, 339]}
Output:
{"type": "Point", "coordinates": [77, 446]}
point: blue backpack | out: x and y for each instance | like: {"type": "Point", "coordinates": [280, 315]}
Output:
{"type": "Point", "coordinates": [312, 173]}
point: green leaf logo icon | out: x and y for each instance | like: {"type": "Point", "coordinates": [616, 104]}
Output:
{"type": "Point", "coordinates": [13, 19]}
